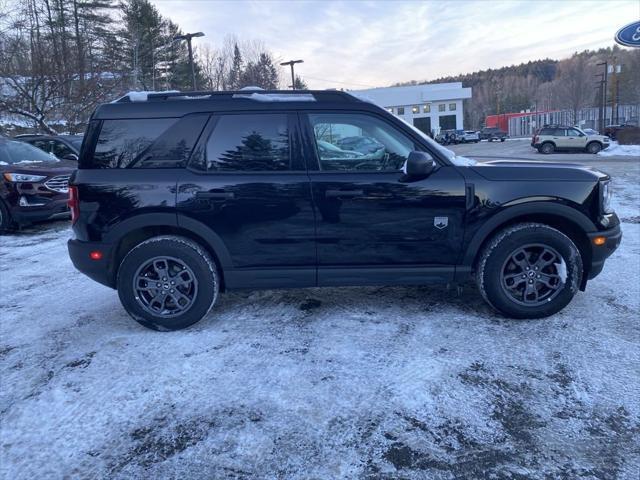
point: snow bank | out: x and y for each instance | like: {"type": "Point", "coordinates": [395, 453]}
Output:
{"type": "Point", "coordinates": [615, 149]}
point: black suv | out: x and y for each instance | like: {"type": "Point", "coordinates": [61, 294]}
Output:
{"type": "Point", "coordinates": [181, 196]}
{"type": "Point", "coordinates": [492, 133]}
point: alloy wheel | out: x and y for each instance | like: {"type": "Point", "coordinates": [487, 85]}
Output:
{"type": "Point", "coordinates": [533, 275]}
{"type": "Point", "coordinates": [165, 286]}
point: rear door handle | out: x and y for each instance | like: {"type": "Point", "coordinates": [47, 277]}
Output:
{"type": "Point", "coordinates": [343, 193]}
{"type": "Point", "coordinates": [215, 195]}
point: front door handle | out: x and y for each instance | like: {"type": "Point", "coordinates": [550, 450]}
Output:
{"type": "Point", "coordinates": [343, 193]}
{"type": "Point", "coordinates": [216, 195]}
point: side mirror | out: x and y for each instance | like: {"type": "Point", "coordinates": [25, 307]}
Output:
{"type": "Point", "coordinates": [419, 165]}
{"type": "Point", "coordinates": [71, 156]}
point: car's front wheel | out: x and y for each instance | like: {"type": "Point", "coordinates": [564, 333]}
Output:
{"type": "Point", "coordinates": [529, 270]}
{"type": "Point", "coordinates": [168, 283]}
{"type": "Point", "coordinates": [594, 147]}
{"type": "Point", "coordinates": [5, 218]}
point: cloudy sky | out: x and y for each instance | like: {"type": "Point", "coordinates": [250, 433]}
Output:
{"type": "Point", "coordinates": [356, 44]}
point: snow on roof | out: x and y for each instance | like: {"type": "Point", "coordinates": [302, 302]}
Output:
{"type": "Point", "coordinates": [142, 96]}
{"type": "Point", "coordinates": [278, 97]}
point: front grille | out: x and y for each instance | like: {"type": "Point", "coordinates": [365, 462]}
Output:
{"type": "Point", "coordinates": [58, 184]}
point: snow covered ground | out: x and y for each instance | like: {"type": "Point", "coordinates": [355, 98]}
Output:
{"type": "Point", "coordinates": [319, 383]}
{"type": "Point", "coordinates": [615, 149]}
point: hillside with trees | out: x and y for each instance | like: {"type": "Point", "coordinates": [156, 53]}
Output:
{"type": "Point", "coordinates": [548, 84]}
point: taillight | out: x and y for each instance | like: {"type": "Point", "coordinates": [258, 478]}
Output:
{"type": "Point", "coordinates": [74, 204]}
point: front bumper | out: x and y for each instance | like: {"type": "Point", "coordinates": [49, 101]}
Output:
{"type": "Point", "coordinates": [102, 270]}
{"type": "Point", "coordinates": [52, 209]}
{"type": "Point", "coordinates": [599, 253]}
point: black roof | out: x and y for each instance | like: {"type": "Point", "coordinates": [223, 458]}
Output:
{"type": "Point", "coordinates": [177, 104]}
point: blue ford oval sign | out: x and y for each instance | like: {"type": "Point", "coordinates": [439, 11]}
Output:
{"type": "Point", "coordinates": [629, 35]}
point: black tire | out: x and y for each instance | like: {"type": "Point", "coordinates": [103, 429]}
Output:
{"type": "Point", "coordinates": [502, 139]}
{"type": "Point", "coordinates": [490, 139]}
{"type": "Point", "coordinates": [594, 147]}
{"type": "Point", "coordinates": [497, 257]}
{"type": "Point", "coordinates": [547, 148]}
{"type": "Point", "coordinates": [6, 223]}
{"type": "Point", "coordinates": [182, 257]}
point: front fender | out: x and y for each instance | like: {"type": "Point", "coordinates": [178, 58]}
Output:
{"type": "Point", "coordinates": [522, 210]}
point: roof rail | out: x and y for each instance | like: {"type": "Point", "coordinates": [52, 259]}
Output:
{"type": "Point", "coordinates": [320, 95]}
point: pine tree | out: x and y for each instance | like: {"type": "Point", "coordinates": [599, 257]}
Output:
{"type": "Point", "coordinates": [237, 68]}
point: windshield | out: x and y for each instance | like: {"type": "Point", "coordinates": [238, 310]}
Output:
{"type": "Point", "coordinates": [14, 153]}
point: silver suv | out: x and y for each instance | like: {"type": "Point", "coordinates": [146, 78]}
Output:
{"type": "Point", "coordinates": [551, 138]}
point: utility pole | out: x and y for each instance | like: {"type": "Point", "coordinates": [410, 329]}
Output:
{"type": "Point", "coordinates": [600, 107]}
{"type": "Point", "coordinates": [188, 37]}
{"type": "Point", "coordinates": [291, 63]}
{"type": "Point", "coordinates": [615, 70]}
{"type": "Point", "coordinates": [605, 77]}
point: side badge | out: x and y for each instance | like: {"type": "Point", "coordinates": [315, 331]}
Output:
{"type": "Point", "coordinates": [440, 222]}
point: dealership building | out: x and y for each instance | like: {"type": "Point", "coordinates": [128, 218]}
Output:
{"type": "Point", "coordinates": [430, 108]}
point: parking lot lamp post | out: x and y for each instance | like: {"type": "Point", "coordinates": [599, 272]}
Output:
{"type": "Point", "coordinates": [188, 37]}
{"type": "Point", "coordinates": [604, 92]}
{"type": "Point", "coordinates": [291, 63]}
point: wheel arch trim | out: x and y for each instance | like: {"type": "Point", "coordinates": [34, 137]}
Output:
{"type": "Point", "coordinates": [514, 212]}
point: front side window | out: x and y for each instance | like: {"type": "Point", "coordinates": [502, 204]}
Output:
{"type": "Point", "coordinates": [258, 143]}
{"type": "Point", "coordinates": [42, 145]}
{"type": "Point", "coordinates": [61, 150]}
{"type": "Point", "coordinates": [348, 142]}
{"type": "Point", "coordinates": [574, 133]}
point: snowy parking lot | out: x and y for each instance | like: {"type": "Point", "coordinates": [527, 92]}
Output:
{"type": "Point", "coordinates": [331, 383]}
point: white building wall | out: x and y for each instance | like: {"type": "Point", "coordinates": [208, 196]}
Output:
{"type": "Point", "coordinates": [402, 101]}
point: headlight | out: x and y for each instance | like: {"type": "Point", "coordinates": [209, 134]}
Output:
{"type": "Point", "coordinates": [607, 193]}
{"type": "Point", "coordinates": [23, 177]}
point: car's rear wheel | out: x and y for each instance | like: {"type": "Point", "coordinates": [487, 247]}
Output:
{"type": "Point", "coordinates": [502, 139]}
{"type": "Point", "coordinates": [167, 283]}
{"type": "Point", "coordinates": [547, 148]}
{"type": "Point", "coordinates": [529, 270]}
{"type": "Point", "coordinates": [594, 147]}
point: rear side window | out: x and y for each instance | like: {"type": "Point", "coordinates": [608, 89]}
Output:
{"type": "Point", "coordinates": [143, 143]}
{"type": "Point", "coordinates": [256, 143]}
{"type": "Point", "coordinates": [122, 141]}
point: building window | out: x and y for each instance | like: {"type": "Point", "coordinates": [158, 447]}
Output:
{"type": "Point", "coordinates": [415, 109]}
{"type": "Point", "coordinates": [442, 107]}
{"type": "Point", "coordinates": [426, 108]}
{"type": "Point", "coordinates": [400, 110]}
{"type": "Point", "coordinates": [452, 107]}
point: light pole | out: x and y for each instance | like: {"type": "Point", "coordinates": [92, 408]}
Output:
{"type": "Point", "coordinates": [605, 77]}
{"type": "Point", "coordinates": [188, 37]}
{"type": "Point", "coordinates": [293, 78]}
